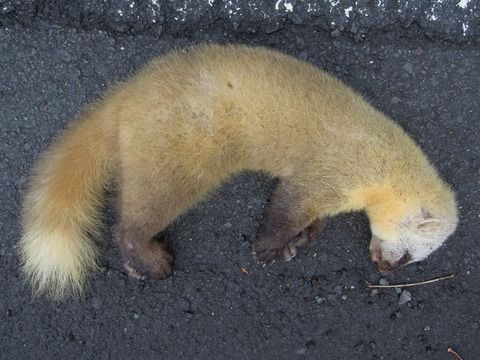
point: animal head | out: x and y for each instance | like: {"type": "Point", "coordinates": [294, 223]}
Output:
{"type": "Point", "coordinates": [409, 231]}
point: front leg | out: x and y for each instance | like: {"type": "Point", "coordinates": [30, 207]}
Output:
{"type": "Point", "coordinates": [288, 219]}
{"type": "Point", "coordinates": [304, 239]}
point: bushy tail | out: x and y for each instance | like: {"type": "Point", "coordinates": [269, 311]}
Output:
{"type": "Point", "coordinates": [61, 209]}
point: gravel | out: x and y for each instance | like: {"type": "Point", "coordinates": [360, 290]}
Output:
{"type": "Point", "coordinates": [404, 297]}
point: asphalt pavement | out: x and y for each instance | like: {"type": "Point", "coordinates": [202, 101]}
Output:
{"type": "Point", "coordinates": [219, 304]}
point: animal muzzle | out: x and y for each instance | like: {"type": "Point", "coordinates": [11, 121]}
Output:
{"type": "Point", "coordinates": [385, 266]}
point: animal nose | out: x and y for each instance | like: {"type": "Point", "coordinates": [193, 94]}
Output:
{"type": "Point", "coordinates": [386, 267]}
{"type": "Point", "coordinates": [383, 267]}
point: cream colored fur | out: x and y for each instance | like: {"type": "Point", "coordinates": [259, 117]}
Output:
{"type": "Point", "coordinates": [61, 208]}
{"type": "Point", "coordinates": [189, 120]}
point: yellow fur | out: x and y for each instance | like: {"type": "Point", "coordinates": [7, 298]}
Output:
{"type": "Point", "coordinates": [62, 207]}
{"type": "Point", "coordinates": [191, 119]}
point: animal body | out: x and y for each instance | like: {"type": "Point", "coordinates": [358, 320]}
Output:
{"type": "Point", "coordinates": [188, 121]}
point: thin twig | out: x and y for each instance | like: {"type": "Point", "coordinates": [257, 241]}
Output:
{"type": "Point", "coordinates": [457, 355]}
{"type": "Point", "coordinates": [411, 284]}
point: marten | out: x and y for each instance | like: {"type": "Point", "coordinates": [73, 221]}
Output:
{"type": "Point", "coordinates": [171, 134]}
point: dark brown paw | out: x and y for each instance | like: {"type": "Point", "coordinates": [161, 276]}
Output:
{"type": "Point", "coordinates": [155, 262]}
{"type": "Point", "coordinates": [290, 251]}
{"type": "Point", "coordinates": [264, 254]}
{"type": "Point", "coordinates": [265, 251]}
{"type": "Point", "coordinates": [304, 239]}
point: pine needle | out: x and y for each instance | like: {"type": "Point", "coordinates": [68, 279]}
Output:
{"type": "Point", "coordinates": [457, 356]}
{"type": "Point", "coordinates": [373, 286]}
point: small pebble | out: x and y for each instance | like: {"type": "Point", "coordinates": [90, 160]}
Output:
{"type": "Point", "coordinates": [295, 18]}
{"type": "Point", "coordinates": [335, 33]}
{"type": "Point", "coordinates": [374, 292]}
{"type": "Point", "coordinates": [300, 351]}
{"type": "Point", "coordinates": [418, 51]}
{"type": "Point", "coordinates": [395, 100]}
{"type": "Point", "coordinates": [408, 68]}
{"type": "Point", "coordinates": [383, 282]}
{"type": "Point", "coordinates": [398, 290]}
{"type": "Point", "coordinates": [405, 297]}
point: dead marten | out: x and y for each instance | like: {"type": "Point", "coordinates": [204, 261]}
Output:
{"type": "Point", "coordinates": [191, 119]}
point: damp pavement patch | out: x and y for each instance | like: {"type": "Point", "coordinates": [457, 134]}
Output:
{"type": "Point", "coordinates": [456, 20]}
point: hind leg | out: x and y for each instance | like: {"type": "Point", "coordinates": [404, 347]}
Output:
{"type": "Point", "coordinates": [147, 207]}
{"type": "Point", "coordinates": [142, 254]}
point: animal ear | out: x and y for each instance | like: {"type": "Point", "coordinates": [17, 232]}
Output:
{"type": "Point", "coordinates": [425, 222]}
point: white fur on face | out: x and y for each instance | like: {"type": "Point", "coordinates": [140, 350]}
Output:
{"type": "Point", "coordinates": [422, 231]}
{"type": "Point", "coordinates": [414, 240]}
